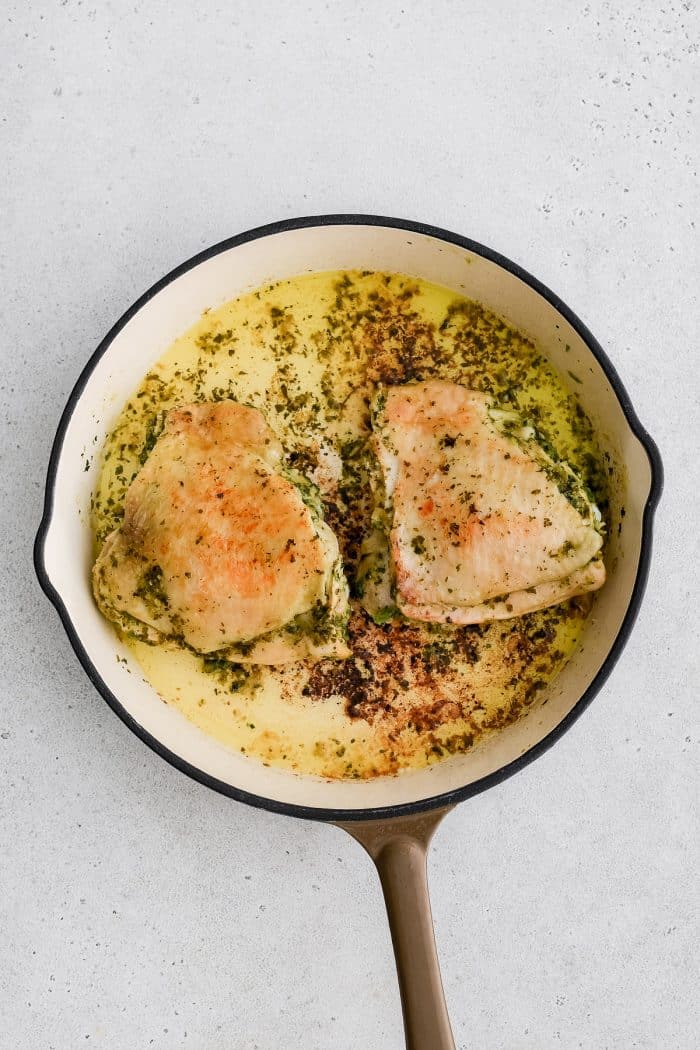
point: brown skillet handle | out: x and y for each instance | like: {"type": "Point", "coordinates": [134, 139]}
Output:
{"type": "Point", "coordinates": [398, 848]}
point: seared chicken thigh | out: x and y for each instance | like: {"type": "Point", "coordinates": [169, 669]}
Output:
{"type": "Point", "coordinates": [222, 548]}
{"type": "Point", "coordinates": [474, 521]}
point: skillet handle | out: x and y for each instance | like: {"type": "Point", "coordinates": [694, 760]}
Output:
{"type": "Point", "coordinates": [398, 848]}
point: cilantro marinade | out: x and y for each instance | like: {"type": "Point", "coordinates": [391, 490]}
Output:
{"type": "Point", "coordinates": [310, 353]}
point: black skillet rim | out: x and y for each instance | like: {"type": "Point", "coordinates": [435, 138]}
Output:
{"type": "Point", "coordinates": [459, 794]}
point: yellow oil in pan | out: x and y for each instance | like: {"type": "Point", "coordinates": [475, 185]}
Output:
{"type": "Point", "coordinates": [308, 353]}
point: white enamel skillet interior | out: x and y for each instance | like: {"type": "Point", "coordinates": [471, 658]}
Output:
{"type": "Point", "coordinates": [64, 545]}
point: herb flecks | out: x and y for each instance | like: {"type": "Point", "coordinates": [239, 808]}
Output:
{"type": "Point", "coordinates": [309, 353]}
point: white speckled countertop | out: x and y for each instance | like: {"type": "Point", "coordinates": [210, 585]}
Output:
{"type": "Point", "coordinates": [137, 908]}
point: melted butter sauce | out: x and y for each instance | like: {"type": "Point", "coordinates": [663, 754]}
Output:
{"type": "Point", "coordinates": [307, 352]}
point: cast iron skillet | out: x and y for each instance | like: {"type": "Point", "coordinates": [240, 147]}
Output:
{"type": "Point", "coordinates": [393, 818]}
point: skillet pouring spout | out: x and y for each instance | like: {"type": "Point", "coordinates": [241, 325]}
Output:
{"type": "Point", "coordinates": [399, 848]}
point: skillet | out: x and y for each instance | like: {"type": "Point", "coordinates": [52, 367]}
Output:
{"type": "Point", "coordinates": [393, 817]}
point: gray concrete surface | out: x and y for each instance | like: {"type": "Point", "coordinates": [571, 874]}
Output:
{"type": "Point", "coordinates": [139, 910]}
